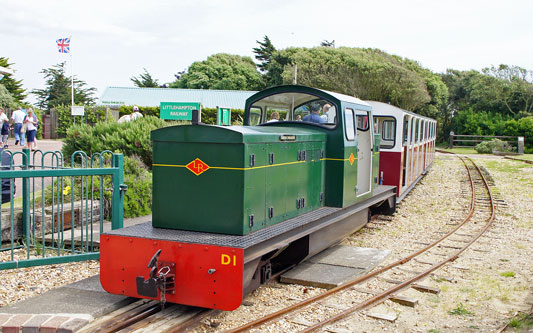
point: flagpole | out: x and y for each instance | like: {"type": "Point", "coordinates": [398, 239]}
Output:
{"type": "Point", "coordinates": [71, 76]}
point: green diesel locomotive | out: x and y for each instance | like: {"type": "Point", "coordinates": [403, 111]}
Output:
{"type": "Point", "coordinates": [233, 205]}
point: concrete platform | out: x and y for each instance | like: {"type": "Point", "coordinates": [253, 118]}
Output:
{"type": "Point", "coordinates": [64, 309]}
{"type": "Point", "coordinates": [334, 266]}
{"type": "Point", "coordinates": [83, 297]}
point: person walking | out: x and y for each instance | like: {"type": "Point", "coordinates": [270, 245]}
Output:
{"type": "Point", "coordinates": [31, 123]}
{"type": "Point", "coordinates": [17, 118]}
{"type": "Point", "coordinates": [4, 125]}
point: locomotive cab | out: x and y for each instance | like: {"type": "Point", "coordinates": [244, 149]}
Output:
{"type": "Point", "coordinates": [352, 158]}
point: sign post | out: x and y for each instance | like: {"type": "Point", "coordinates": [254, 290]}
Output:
{"type": "Point", "coordinates": [223, 116]}
{"type": "Point", "coordinates": [178, 110]}
{"type": "Point", "coordinates": [77, 111]}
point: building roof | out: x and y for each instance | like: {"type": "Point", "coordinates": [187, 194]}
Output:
{"type": "Point", "coordinates": [117, 96]}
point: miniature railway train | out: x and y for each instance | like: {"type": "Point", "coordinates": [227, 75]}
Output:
{"type": "Point", "coordinates": [235, 205]}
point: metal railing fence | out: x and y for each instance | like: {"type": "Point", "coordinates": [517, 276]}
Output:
{"type": "Point", "coordinates": [41, 226]}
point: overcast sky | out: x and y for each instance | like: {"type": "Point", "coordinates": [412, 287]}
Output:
{"type": "Point", "coordinates": [114, 40]}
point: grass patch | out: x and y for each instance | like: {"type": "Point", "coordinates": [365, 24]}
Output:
{"type": "Point", "coordinates": [522, 322]}
{"type": "Point", "coordinates": [462, 151]}
{"type": "Point", "coordinates": [460, 310]}
{"type": "Point", "coordinates": [507, 274]}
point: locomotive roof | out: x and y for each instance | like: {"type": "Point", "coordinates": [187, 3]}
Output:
{"type": "Point", "coordinates": [334, 96]}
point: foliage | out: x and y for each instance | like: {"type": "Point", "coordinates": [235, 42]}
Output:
{"type": "Point", "coordinates": [461, 311]}
{"type": "Point", "coordinates": [93, 115]}
{"type": "Point", "coordinates": [221, 71]}
{"type": "Point", "coordinates": [130, 138]}
{"type": "Point", "coordinates": [145, 80]}
{"type": "Point", "coordinates": [263, 53]}
{"type": "Point", "coordinates": [209, 115]}
{"type": "Point", "coordinates": [507, 274]}
{"type": "Point", "coordinates": [522, 322]}
{"type": "Point", "coordinates": [369, 74]}
{"type": "Point", "coordinates": [6, 99]}
{"type": "Point", "coordinates": [57, 89]}
{"type": "Point", "coordinates": [137, 199]}
{"type": "Point", "coordinates": [488, 147]}
{"type": "Point", "coordinates": [13, 86]}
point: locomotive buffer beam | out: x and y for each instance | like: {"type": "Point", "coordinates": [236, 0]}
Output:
{"type": "Point", "coordinates": [162, 277]}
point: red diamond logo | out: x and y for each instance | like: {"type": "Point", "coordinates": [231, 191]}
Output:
{"type": "Point", "coordinates": [351, 159]}
{"type": "Point", "coordinates": [197, 167]}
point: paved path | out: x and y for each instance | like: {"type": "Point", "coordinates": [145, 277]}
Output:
{"type": "Point", "coordinates": [44, 146]}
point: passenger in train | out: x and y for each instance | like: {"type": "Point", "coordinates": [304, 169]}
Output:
{"type": "Point", "coordinates": [274, 117]}
{"type": "Point", "coordinates": [314, 116]}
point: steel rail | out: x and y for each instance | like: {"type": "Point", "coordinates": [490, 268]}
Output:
{"type": "Point", "coordinates": [292, 308]}
{"type": "Point", "coordinates": [407, 283]}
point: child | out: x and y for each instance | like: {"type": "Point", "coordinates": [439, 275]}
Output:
{"type": "Point", "coordinates": [5, 133]}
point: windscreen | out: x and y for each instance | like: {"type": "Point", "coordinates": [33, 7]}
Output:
{"type": "Point", "coordinates": [294, 107]}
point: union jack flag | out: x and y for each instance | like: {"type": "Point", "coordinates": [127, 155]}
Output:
{"type": "Point", "coordinates": [63, 45]}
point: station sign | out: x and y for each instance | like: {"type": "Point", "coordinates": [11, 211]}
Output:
{"type": "Point", "coordinates": [77, 110]}
{"type": "Point", "coordinates": [223, 116]}
{"type": "Point", "coordinates": [177, 110]}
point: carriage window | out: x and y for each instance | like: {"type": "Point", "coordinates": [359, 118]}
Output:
{"type": "Point", "coordinates": [417, 128]}
{"type": "Point", "coordinates": [293, 106]}
{"type": "Point", "coordinates": [362, 122]}
{"type": "Point", "coordinates": [405, 130]}
{"type": "Point", "coordinates": [388, 130]}
{"type": "Point", "coordinates": [386, 127]}
{"type": "Point", "coordinates": [349, 124]}
{"type": "Point", "coordinates": [255, 116]}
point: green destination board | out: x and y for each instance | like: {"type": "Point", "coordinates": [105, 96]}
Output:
{"type": "Point", "coordinates": [178, 110]}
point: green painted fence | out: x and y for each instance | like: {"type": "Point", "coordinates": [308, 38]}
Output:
{"type": "Point", "coordinates": [62, 209]}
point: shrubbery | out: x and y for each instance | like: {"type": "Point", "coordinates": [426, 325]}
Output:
{"type": "Point", "coordinates": [137, 199]}
{"type": "Point", "coordinates": [130, 138]}
{"type": "Point", "coordinates": [209, 115]}
{"type": "Point", "coordinates": [93, 115]}
{"type": "Point", "coordinates": [488, 147]}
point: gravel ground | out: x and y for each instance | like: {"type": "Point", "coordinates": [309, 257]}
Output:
{"type": "Point", "coordinates": [487, 287]}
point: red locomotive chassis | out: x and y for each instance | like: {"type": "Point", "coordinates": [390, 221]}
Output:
{"type": "Point", "coordinates": [205, 275]}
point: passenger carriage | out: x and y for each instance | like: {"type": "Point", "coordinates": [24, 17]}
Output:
{"type": "Point", "coordinates": [407, 145]}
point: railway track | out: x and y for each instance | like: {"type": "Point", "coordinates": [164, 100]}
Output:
{"type": "Point", "coordinates": [377, 285]}
{"type": "Point", "coordinates": [368, 291]}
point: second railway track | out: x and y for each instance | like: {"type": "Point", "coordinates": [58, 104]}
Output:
{"type": "Point", "coordinates": [353, 296]}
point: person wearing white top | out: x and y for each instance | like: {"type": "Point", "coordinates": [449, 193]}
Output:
{"type": "Point", "coordinates": [31, 130]}
{"type": "Point", "coordinates": [17, 118]}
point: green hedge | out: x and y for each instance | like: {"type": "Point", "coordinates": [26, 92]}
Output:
{"type": "Point", "coordinates": [137, 199]}
{"type": "Point", "coordinates": [209, 115]}
{"type": "Point", "coordinates": [93, 115]}
{"type": "Point", "coordinates": [130, 138]}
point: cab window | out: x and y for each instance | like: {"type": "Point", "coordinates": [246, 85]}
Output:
{"type": "Point", "coordinates": [349, 124]}
{"type": "Point", "coordinates": [293, 107]}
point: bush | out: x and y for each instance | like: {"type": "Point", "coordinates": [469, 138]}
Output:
{"type": "Point", "coordinates": [130, 138]}
{"type": "Point", "coordinates": [209, 115]}
{"type": "Point", "coordinates": [93, 115]}
{"type": "Point", "coordinates": [137, 199]}
{"type": "Point", "coordinates": [488, 147]}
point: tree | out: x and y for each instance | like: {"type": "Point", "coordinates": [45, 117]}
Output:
{"type": "Point", "coordinates": [13, 86]}
{"type": "Point", "coordinates": [221, 71]}
{"type": "Point", "coordinates": [513, 87]}
{"type": "Point", "coordinates": [145, 80]}
{"type": "Point", "coordinates": [58, 89]}
{"type": "Point", "coordinates": [263, 53]}
{"type": "Point", "coordinates": [6, 99]}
